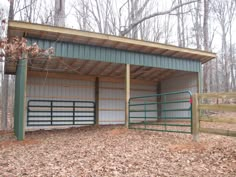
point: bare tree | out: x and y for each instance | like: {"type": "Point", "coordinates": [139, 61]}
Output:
{"type": "Point", "coordinates": [96, 15]}
{"type": "Point", "coordinates": [138, 21]}
{"type": "Point", "coordinates": [47, 17]}
{"type": "Point", "coordinates": [224, 15]}
{"type": "Point", "coordinates": [82, 14]}
{"type": "Point", "coordinates": [205, 43]}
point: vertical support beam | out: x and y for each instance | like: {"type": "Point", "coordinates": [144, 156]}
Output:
{"type": "Point", "coordinates": [20, 99]}
{"type": "Point", "coordinates": [97, 101]}
{"type": "Point", "coordinates": [127, 94]}
{"type": "Point", "coordinates": [159, 100]}
{"type": "Point", "coordinates": [195, 117]}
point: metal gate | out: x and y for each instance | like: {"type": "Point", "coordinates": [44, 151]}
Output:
{"type": "Point", "coordinates": [60, 112]}
{"type": "Point", "coordinates": [167, 112]}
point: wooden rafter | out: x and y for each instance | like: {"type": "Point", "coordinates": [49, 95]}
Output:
{"type": "Point", "coordinates": [93, 67]}
{"type": "Point", "coordinates": [99, 71]}
{"type": "Point", "coordinates": [165, 75]}
{"type": "Point", "coordinates": [83, 65]}
{"type": "Point", "coordinates": [140, 71]}
{"type": "Point", "coordinates": [118, 71]}
{"type": "Point", "coordinates": [158, 75]}
{"type": "Point", "coordinates": [71, 64]}
{"type": "Point", "coordinates": [105, 69]}
{"type": "Point", "coordinates": [136, 69]}
{"type": "Point", "coordinates": [148, 73]}
{"type": "Point", "coordinates": [114, 69]}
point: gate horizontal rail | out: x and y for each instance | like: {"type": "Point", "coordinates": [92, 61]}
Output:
{"type": "Point", "coordinates": [47, 113]}
{"type": "Point", "coordinates": [161, 110]}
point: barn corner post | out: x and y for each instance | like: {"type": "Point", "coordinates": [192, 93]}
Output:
{"type": "Point", "coordinates": [195, 110]}
{"type": "Point", "coordinates": [20, 98]}
{"type": "Point", "coordinates": [127, 94]}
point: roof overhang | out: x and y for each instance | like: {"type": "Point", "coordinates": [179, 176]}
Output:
{"type": "Point", "coordinates": [23, 29]}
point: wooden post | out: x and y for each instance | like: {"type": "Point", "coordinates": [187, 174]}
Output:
{"type": "Point", "coordinates": [127, 94]}
{"type": "Point", "coordinates": [195, 117]}
{"type": "Point", "coordinates": [97, 101]}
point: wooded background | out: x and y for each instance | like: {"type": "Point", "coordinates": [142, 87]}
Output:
{"type": "Point", "coordinates": [200, 24]}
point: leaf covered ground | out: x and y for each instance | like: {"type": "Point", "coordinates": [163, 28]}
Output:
{"type": "Point", "coordinates": [116, 151]}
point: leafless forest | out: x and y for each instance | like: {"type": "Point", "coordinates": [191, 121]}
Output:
{"type": "Point", "coordinates": [200, 24]}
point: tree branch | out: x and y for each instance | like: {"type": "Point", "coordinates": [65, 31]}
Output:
{"type": "Point", "coordinates": [129, 28]}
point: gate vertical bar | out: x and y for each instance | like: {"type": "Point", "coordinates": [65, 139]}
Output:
{"type": "Point", "coordinates": [73, 112]}
{"type": "Point", "coordinates": [145, 115]}
{"type": "Point", "coordinates": [51, 104]}
{"type": "Point", "coordinates": [129, 115]}
{"type": "Point", "coordinates": [95, 113]}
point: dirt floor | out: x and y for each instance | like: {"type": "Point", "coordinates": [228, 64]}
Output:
{"type": "Point", "coordinates": [116, 151]}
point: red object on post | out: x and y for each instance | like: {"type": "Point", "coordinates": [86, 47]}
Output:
{"type": "Point", "coordinates": [190, 100]}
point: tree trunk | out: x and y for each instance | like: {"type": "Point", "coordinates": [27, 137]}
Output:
{"type": "Point", "coordinates": [205, 43]}
{"type": "Point", "coordinates": [5, 101]}
{"type": "Point", "coordinates": [59, 17]}
{"type": "Point", "coordinates": [11, 13]}
{"type": "Point", "coordinates": [5, 81]}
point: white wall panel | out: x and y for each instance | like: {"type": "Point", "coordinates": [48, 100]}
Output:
{"type": "Point", "coordinates": [111, 94]}
{"type": "Point", "coordinates": [111, 103]}
{"type": "Point", "coordinates": [143, 90]}
{"type": "Point", "coordinates": [59, 89]}
{"type": "Point", "coordinates": [179, 82]}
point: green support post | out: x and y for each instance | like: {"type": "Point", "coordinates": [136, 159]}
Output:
{"type": "Point", "coordinates": [20, 89]}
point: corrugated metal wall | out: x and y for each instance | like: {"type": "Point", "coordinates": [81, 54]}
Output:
{"type": "Point", "coordinates": [179, 82]}
{"type": "Point", "coordinates": [143, 90]}
{"type": "Point", "coordinates": [111, 103]}
{"type": "Point", "coordinates": [88, 52]}
{"type": "Point", "coordinates": [59, 89]}
{"type": "Point", "coordinates": [112, 100]}
{"type": "Point", "coordinates": [62, 89]}
{"type": "Point", "coordinates": [111, 95]}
